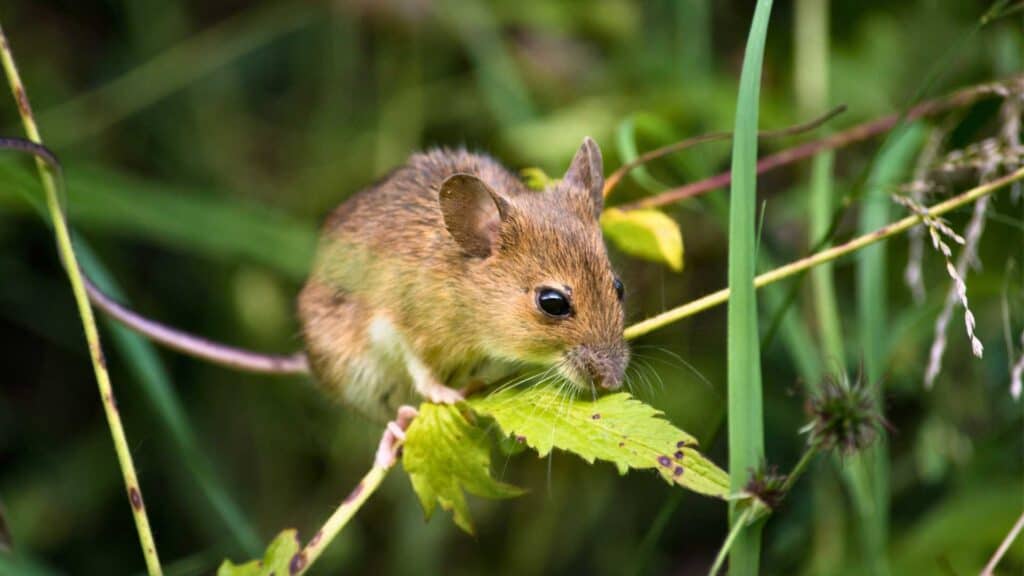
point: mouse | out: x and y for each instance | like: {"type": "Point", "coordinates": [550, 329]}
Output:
{"type": "Point", "coordinates": [449, 272]}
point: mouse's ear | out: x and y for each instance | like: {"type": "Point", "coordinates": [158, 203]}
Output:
{"type": "Point", "coordinates": [473, 214]}
{"type": "Point", "coordinates": [586, 173]}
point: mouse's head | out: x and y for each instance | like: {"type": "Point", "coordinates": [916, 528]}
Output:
{"type": "Point", "coordinates": [542, 286]}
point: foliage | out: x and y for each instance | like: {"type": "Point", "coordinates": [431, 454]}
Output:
{"type": "Point", "coordinates": [445, 455]}
{"type": "Point", "coordinates": [276, 560]}
{"type": "Point", "coordinates": [615, 428]}
{"type": "Point", "coordinates": [204, 147]}
{"type": "Point", "coordinates": [648, 234]}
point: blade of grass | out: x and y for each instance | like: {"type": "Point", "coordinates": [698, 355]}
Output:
{"type": "Point", "coordinates": [496, 72]}
{"type": "Point", "coordinates": [205, 224]}
{"type": "Point", "coordinates": [872, 468]}
{"type": "Point", "coordinates": [745, 415]}
{"type": "Point", "coordinates": [811, 80]}
{"type": "Point", "coordinates": [67, 254]}
{"type": "Point", "coordinates": [171, 70]}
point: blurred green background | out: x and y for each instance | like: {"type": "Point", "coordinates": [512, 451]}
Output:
{"type": "Point", "coordinates": [204, 141]}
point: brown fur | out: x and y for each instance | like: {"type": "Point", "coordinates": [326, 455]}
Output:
{"type": "Point", "coordinates": [458, 285]}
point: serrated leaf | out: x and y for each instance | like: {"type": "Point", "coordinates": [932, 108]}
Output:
{"type": "Point", "coordinates": [648, 234]}
{"type": "Point", "coordinates": [446, 456]}
{"type": "Point", "coordinates": [276, 560]}
{"type": "Point", "coordinates": [616, 428]}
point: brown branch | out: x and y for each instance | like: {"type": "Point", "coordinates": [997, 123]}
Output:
{"type": "Point", "coordinates": [960, 98]}
{"type": "Point", "coordinates": [616, 177]}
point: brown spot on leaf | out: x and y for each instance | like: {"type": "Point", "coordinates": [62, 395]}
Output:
{"type": "Point", "coordinates": [621, 444]}
{"type": "Point", "coordinates": [100, 358]}
{"type": "Point", "coordinates": [135, 497]}
{"type": "Point", "coordinates": [664, 461]}
{"type": "Point", "coordinates": [298, 563]}
{"type": "Point", "coordinates": [678, 471]}
{"type": "Point", "coordinates": [681, 444]}
{"type": "Point", "coordinates": [521, 439]}
{"type": "Point", "coordinates": [354, 493]}
{"type": "Point", "coordinates": [316, 538]}
{"type": "Point", "coordinates": [595, 416]}
{"type": "Point", "coordinates": [678, 455]}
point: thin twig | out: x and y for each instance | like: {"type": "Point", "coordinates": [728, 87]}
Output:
{"type": "Point", "coordinates": [621, 172]}
{"type": "Point", "coordinates": [858, 133]}
{"type": "Point", "coordinates": [388, 452]}
{"type": "Point", "coordinates": [793, 268]}
{"type": "Point", "coordinates": [1001, 551]}
{"type": "Point", "coordinates": [67, 255]}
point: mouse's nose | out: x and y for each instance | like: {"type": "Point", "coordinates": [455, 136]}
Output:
{"type": "Point", "coordinates": [605, 365]}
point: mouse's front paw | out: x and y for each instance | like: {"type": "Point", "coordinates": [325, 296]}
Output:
{"type": "Point", "coordinates": [441, 394]}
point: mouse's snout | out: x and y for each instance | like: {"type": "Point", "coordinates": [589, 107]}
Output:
{"type": "Point", "coordinates": [599, 365]}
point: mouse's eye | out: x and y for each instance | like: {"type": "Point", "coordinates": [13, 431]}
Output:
{"type": "Point", "coordinates": [620, 290]}
{"type": "Point", "coordinates": [553, 303]}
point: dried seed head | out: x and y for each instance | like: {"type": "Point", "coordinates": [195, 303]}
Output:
{"type": "Point", "coordinates": [766, 485]}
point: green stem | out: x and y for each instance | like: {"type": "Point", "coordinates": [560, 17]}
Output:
{"type": "Point", "coordinates": [737, 527]}
{"type": "Point", "coordinates": [802, 265]}
{"type": "Point", "coordinates": [799, 469]}
{"type": "Point", "coordinates": [92, 336]}
{"type": "Point", "coordinates": [340, 518]}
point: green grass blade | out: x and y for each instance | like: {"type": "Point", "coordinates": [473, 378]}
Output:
{"type": "Point", "coordinates": [204, 224]}
{"type": "Point", "coordinates": [179, 66]}
{"type": "Point", "coordinates": [869, 475]}
{"type": "Point", "coordinates": [746, 426]}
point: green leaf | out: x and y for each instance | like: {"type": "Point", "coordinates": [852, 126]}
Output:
{"type": "Point", "coordinates": [625, 136]}
{"type": "Point", "coordinates": [616, 428]}
{"type": "Point", "coordinates": [445, 455]}
{"type": "Point", "coordinates": [743, 354]}
{"type": "Point", "coordinates": [276, 561]}
{"type": "Point", "coordinates": [648, 234]}
{"type": "Point", "coordinates": [536, 178]}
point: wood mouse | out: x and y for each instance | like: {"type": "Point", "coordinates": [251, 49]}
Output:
{"type": "Point", "coordinates": [449, 271]}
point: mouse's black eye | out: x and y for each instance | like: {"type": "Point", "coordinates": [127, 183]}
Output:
{"type": "Point", "coordinates": [620, 290]}
{"type": "Point", "coordinates": [553, 303]}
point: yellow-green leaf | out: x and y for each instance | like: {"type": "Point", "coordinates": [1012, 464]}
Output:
{"type": "Point", "coordinates": [278, 558]}
{"type": "Point", "coordinates": [648, 234]}
{"type": "Point", "coordinates": [536, 179]}
{"type": "Point", "coordinates": [445, 455]}
{"type": "Point", "coordinates": [617, 428]}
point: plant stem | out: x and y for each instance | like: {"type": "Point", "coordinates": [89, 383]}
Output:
{"type": "Point", "coordinates": [799, 469]}
{"type": "Point", "coordinates": [92, 337]}
{"type": "Point", "coordinates": [339, 519]}
{"type": "Point", "coordinates": [1001, 551]}
{"type": "Point", "coordinates": [793, 268]}
{"type": "Point", "coordinates": [737, 526]}
{"type": "Point", "coordinates": [616, 177]}
{"type": "Point", "coordinates": [961, 98]}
